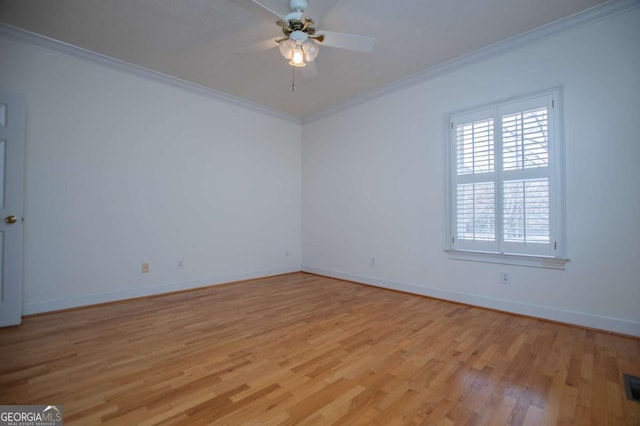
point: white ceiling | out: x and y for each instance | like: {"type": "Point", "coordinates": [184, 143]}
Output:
{"type": "Point", "coordinates": [199, 40]}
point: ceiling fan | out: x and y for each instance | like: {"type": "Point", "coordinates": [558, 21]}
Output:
{"type": "Point", "coordinates": [301, 41]}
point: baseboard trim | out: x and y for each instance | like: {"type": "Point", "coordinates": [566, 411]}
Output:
{"type": "Point", "coordinates": [114, 296]}
{"type": "Point", "coordinates": [582, 319]}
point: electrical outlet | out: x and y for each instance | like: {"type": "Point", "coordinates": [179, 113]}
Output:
{"type": "Point", "coordinates": [372, 260]}
{"type": "Point", "coordinates": [505, 278]}
{"type": "Point", "coordinates": [180, 264]}
{"type": "Point", "coordinates": [145, 268]}
{"type": "Point", "coordinates": [286, 253]}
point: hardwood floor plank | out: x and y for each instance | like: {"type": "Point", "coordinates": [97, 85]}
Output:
{"type": "Point", "coordinates": [303, 349]}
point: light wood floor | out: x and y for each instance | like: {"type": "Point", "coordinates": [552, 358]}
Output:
{"type": "Point", "coordinates": [303, 349]}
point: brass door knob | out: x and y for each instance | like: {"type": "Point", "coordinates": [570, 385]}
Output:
{"type": "Point", "coordinates": [10, 219]}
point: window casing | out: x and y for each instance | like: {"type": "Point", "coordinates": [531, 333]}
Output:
{"type": "Point", "coordinates": [506, 179]}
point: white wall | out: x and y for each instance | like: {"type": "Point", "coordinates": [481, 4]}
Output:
{"type": "Point", "coordinates": [122, 170]}
{"type": "Point", "coordinates": [374, 182]}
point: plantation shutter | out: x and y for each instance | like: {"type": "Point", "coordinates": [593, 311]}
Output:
{"type": "Point", "coordinates": [475, 182]}
{"type": "Point", "coordinates": [525, 131]}
{"type": "Point", "coordinates": [502, 185]}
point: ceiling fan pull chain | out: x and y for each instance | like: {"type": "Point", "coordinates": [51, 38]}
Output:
{"type": "Point", "coordinates": [293, 79]}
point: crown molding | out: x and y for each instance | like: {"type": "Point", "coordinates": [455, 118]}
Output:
{"type": "Point", "coordinates": [591, 15]}
{"type": "Point", "coordinates": [577, 20]}
{"type": "Point", "coordinates": [17, 34]}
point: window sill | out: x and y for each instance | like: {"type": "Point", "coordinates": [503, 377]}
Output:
{"type": "Point", "coordinates": [509, 259]}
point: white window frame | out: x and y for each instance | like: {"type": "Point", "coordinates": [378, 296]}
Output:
{"type": "Point", "coordinates": [550, 255]}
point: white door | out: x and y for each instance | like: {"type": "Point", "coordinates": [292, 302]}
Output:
{"type": "Point", "coordinates": [12, 128]}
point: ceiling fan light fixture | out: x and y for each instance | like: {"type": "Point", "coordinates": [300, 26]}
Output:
{"type": "Point", "coordinates": [297, 60]}
{"type": "Point", "coordinates": [310, 50]}
{"type": "Point", "coordinates": [286, 48]}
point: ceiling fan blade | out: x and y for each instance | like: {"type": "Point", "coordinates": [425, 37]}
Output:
{"type": "Point", "coordinates": [278, 8]}
{"type": "Point", "coordinates": [260, 46]}
{"type": "Point", "coordinates": [318, 9]}
{"type": "Point", "coordinates": [310, 70]}
{"type": "Point", "coordinates": [347, 41]}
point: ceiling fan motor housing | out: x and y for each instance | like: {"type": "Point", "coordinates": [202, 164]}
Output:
{"type": "Point", "coordinates": [297, 26]}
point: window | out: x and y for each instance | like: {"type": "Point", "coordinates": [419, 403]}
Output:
{"type": "Point", "coordinates": [505, 184]}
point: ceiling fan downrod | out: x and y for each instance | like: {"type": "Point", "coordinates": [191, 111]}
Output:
{"type": "Point", "coordinates": [298, 5]}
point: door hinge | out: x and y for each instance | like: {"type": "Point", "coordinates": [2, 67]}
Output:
{"type": "Point", "coordinates": [555, 245]}
{"type": "Point", "coordinates": [553, 103]}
